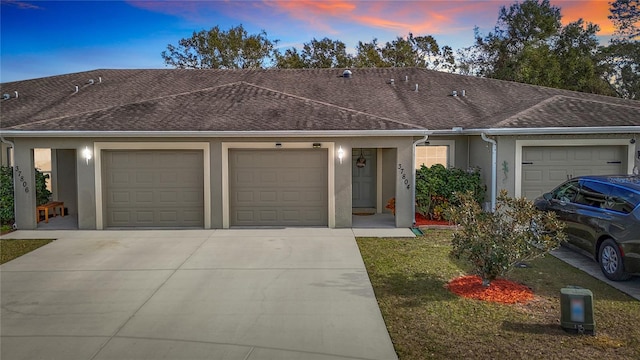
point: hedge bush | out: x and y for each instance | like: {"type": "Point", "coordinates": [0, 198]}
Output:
{"type": "Point", "coordinates": [6, 195]}
{"type": "Point", "coordinates": [436, 186]}
{"type": "Point", "coordinates": [43, 195]}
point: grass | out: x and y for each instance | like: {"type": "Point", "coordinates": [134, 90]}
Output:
{"type": "Point", "coordinates": [426, 321]}
{"type": "Point", "coordinates": [12, 248]}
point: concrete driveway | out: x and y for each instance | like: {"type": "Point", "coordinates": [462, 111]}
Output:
{"type": "Point", "coordinates": [217, 294]}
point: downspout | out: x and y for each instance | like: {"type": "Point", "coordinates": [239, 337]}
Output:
{"type": "Point", "coordinates": [413, 166]}
{"type": "Point", "coordinates": [13, 146]}
{"type": "Point", "coordinates": [494, 169]}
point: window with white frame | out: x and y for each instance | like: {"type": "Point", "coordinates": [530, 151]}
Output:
{"type": "Point", "coordinates": [429, 155]}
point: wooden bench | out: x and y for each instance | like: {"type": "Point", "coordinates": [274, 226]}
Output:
{"type": "Point", "coordinates": [50, 205]}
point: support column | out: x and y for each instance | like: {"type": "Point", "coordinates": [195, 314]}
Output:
{"type": "Point", "coordinates": [24, 183]}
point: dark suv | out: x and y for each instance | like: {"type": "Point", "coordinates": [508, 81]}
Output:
{"type": "Point", "coordinates": [602, 214]}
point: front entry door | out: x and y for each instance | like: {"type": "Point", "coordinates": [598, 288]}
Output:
{"type": "Point", "coordinates": [364, 178]}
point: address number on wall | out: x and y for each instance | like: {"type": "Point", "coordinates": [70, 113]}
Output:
{"type": "Point", "coordinates": [21, 180]}
{"type": "Point", "coordinates": [403, 176]}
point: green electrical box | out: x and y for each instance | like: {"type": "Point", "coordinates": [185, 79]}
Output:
{"type": "Point", "coordinates": [576, 310]}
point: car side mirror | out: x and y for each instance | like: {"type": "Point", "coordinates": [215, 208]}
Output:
{"type": "Point", "coordinates": [547, 196]}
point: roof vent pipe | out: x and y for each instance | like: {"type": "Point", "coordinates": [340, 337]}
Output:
{"type": "Point", "coordinates": [16, 92]}
{"type": "Point", "coordinates": [464, 92]}
{"type": "Point", "coordinates": [416, 87]}
{"type": "Point", "coordinates": [77, 89]}
{"type": "Point", "coordinates": [392, 81]}
{"type": "Point", "coordinates": [406, 78]}
{"type": "Point", "coordinates": [91, 82]}
{"type": "Point", "coordinates": [99, 79]}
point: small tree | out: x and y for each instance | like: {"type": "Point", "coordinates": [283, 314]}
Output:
{"type": "Point", "coordinates": [493, 243]}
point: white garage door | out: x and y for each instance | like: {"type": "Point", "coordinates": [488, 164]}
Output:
{"type": "Point", "coordinates": [278, 187]}
{"type": "Point", "coordinates": [545, 167]}
{"type": "Point", "coordinates": [153, 188]}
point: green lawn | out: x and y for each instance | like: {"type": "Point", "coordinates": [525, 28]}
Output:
{"type": "Point", "coordinates": [12, 248]}
{"type": "Point", "coordinates": [426, 321]}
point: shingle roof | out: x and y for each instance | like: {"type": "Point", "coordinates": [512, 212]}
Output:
{"type": "Point", "coordinates": [312, 99]}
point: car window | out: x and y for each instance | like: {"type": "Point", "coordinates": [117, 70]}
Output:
{"type": "Point", "coordinates": [592, 194]}
{"type": "Point", "coordinates": [566, 192]}
{"type": "Point", "coordinates": [622, 200]}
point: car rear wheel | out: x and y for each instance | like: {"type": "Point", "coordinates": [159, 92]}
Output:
{"type": "Point", "coordinates": [610, 260]}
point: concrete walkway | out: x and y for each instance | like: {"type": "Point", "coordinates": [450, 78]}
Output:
{"type": "Point", "coordinates": [199, 294]}
{"type": "Point", "coordinates": [588, 265]}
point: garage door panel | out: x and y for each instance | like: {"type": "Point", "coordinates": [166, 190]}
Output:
{"type": "Point", "coordinates": [545, 167]}
{"type": "Point", "coordinates": [268, 177]}
{"type": "Point", "coordinates": [278, 187]}
{"type": "Point", "coordinates": [168, 216]}
{"type": "Point", "coordinates": [144, 177]}
{"type": "Point", "coordinates": [142, 197]}
{"type": "Point", "coordinates": [555, 155]}
{"type": "Point", "coordinates": [153, 188]}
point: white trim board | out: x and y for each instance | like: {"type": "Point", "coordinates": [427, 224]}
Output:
{"type": "Point", "coordinates": [330, 146]}
{"type": "Point", "coordinates": [568, 142]}
{"type": "Point", "coordinates": [97, 154]}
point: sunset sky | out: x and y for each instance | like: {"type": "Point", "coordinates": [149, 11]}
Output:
{"type": "Point", "coordinates": [44, 38]}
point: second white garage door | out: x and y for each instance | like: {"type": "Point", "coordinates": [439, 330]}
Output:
{"type": "Point", "coordinates": [278, 187]}
{"type": "Point", "coordinates": [545, 167]}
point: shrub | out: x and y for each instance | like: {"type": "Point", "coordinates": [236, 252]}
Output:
{"type": "Point", "coordinates": [6, 195]}
{"type": "Point", "coordinates": [493, 243]}
{"type": "Point", "coordinates": [436, 186]}
{"type": "Point", "coordinates": [43, 195]}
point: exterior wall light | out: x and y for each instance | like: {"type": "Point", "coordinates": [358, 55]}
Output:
{"type": "Point", "coordinates": [340, 154]}
{"type": "Point", "coordinates": [86, 154]}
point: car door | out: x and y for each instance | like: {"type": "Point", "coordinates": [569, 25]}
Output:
{"type": "Point", "coordinates": [561, 202]}
{"type": "Point", "coordinates": [590, 218]}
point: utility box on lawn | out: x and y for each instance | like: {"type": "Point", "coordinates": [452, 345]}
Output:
{"type": "Point", "coordinates": [576, 310]}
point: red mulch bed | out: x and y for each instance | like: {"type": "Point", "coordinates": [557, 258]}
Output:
{"type": "Point", "coordinates": [421, 220]}
{"type": "Point", "coordinates": [500, 290]}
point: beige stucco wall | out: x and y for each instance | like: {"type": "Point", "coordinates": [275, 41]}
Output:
{"type": "Point", "coordinates": [389, 165]}
{"type": "Point", "coordinates": [64, 178]}
{"type": "Point", "coordinates": [397, 176]}
{"type": "Point", "coordinates": [4, 157]}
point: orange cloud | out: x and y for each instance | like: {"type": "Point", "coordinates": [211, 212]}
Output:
{"type": "Point", "coordinates": [400, 16]}
{"type": "Point", "coordinates": [594, 11]}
